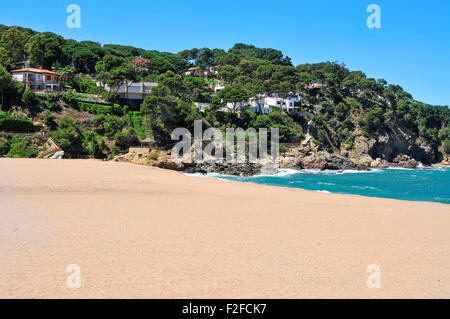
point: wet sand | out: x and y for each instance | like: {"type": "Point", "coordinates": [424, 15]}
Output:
{"type": "Point", "coordinates": [142, 232]}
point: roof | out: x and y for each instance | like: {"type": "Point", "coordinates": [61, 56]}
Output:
{"type": "Point", "coordinates": [153, 84]}
{"type": "Point", "coordinates": [140, 60]}
{"type": "Point", "coordinates": [277, 98]}
{"type": "Point", "coordinates": [150, 83]}
{"type": "Point", "coordinates": [34, 70]}
{"type": "Point", "coordinates": [148, 140]}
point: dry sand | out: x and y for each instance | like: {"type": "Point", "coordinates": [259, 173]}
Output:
{"type": "Point", "coordinates": [143, 232]}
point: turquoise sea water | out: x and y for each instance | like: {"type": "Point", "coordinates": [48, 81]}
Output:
{"type": "Point", "coordinates": [428, 184]}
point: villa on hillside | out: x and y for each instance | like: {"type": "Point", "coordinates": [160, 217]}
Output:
{"type": "Point", "coordinates": [200, 72]}
{"type": "Point", "coordinates": [262, 105]}
{"type": "Point", "coordinates": [295, 97]}
{"type": "Point", "coordinates": [315, 85]}
{"type": "Point", "coordinates": [265, 105]}
{"type": "Point", "coordinates": [39, 79]}
{"type": "Point", "coordinates": [135, 94]}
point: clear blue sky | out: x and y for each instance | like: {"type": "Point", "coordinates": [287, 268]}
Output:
{"type": "Point", "coordinates": [411, 49]}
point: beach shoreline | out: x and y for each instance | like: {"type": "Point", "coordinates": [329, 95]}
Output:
{"type": "Point", "coordinates": [428, 184]}
{"type": "Point", "coordinates": [144, 232]}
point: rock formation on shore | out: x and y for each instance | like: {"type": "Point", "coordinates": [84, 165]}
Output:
{"type": "Point", "coordinates": [300, 157]}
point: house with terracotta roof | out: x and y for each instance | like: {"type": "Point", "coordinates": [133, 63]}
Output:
{"type": "Point", "coordinates": [38, 79]}
{"type": "Point", "coordinates": [141, 62]}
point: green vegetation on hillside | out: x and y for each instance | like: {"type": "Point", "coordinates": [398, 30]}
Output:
{"type": "Point", "coordinates": [336, 105]}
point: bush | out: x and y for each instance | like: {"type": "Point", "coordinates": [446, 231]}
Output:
{"type": "Point", "coordinates": [153, 156]}
{"type": "Point", "coordinates": [108, 124]}
{"type": "Point", "coordinates": [113, 98]}
{"type": "Point", "coordinates": [137, 123]}
{"type": "Point", "coordinates": [94, 108]}
{"type": "Point", "coordinates": [126, 139]}
{"type": "Point", "coordinates": [70, 98]}
{"type": "Point", "coordinates": [4, 146]}
{"type": "Point", "coordinates": [115, 150]}
{"type": "Point", "coordinates": [85, 84]}
{"type": "Point", "coordinates": [10, 124]}
{"type": "Point", "coordinates": [101, 109]}
{"type": "Point", "coordinates": [444, 134]}
{"type": "Point", "coordinates": [64, 138]}
{"type": "Point", "coordinates": [52, 106]}
{"type": "Point", "coordinates": [21, 147]}
{"type": "Point", "coordinates": [49, 120]}
{"type": "Point", "coordinates": [446, 146]}
{"type": "Point", "coordinates": [94, 145]}
{"type": "Point", "coordinates": [52, 97]}
{"type": "Point", "coordinates": [30, 99]}
{"type": "Point", "coordinates": [68, 136]}
{"type": "Point", "coordinates": [341, 111]}
{"type": "Point", "coordinates": [373, 120]}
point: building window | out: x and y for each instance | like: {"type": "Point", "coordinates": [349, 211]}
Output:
{"type": "Point", "coordinates": [49, 78]}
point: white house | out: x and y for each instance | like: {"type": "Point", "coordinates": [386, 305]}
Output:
{"type": "Point", "coordinates": [266, 104]}
{"type": "Point", "coordinates": [219, 87]}
{"type": "Point", "coordinates": [292, 96]}
{"type": "Point", "coordinates": [38, 79]}
{"type": "Point", "coordinates": [137, 92]}
{"type": "Point", "coordinates": [262, 105]}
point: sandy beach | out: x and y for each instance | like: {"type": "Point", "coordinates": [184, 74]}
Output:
{"type": "Point", "coordinates": [143, 232]}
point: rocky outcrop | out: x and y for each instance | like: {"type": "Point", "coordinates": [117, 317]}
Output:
{"type": "Point", "coordinates": [304, 159]}
{"type": "Point", "coordinates": [396, 146]}
{"type": "Point", "coordinates": [445, 161]}
{"type": "Point", "coordinates": [331, 162]}
{"type": "Point", "coordinates": [162, 159]}
{"type": "Point", "coordinates": [405, 161]}
{"type": "Point", "coordinates": [380, 151]}
{"type": "Point", "coordinates": [155, 158]}
{"type": "Point", "coordinates": [379, 163]}
{"type": "Point", "coordinates": [235, 169]}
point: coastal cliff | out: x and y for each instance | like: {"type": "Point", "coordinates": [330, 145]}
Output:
{"type": "Point", "coordinates": [390, 148]}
